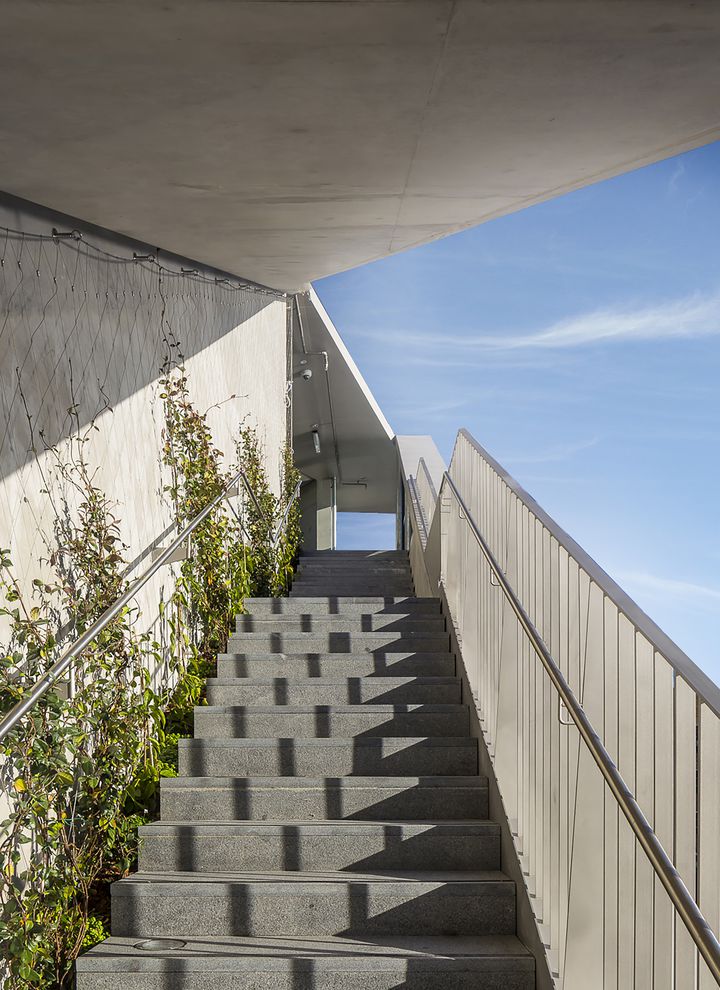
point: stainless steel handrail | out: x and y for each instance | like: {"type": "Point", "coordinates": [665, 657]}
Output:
{"type": "Point", "coordinates": [693, 919]}
{"type": "Point", "coordinates": [283, 522]}
{"type": "Point", "coordinates": [426, 472]}
{"type": "Point", "coordinates": [55, 672]}
{"type": "Point", "coordinates": [418, 510]}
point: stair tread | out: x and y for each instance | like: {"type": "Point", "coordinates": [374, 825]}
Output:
{"type": "Point", "coordinates": [326, 681]}
{"type": "Point", "coordinates": [325, 741]}
{"type": "Point", "coordinates": [330, 951]}
{"type": "Point", "coordinates": [290, 783]}
{"type": "Point", "coordinates": [295, 881]}
{"type": "Point", "coordinates": [332, 826]}
{"type": "Point", "coordinates": [344, 657]}
{"type": "Point", "coordinates": [398, 709]}
{"type": "Point", "coordinates": [364, 633]}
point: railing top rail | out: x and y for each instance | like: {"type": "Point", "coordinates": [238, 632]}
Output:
{"type": "Point", "coordinates": [55, 672]}
{"type": "Point", "coordinates": [418, 511]}
{"type": "Point", "coordinates": [422, 467]}
{"type": "Point", "coordinates": [283, 522]}
{"type": "Point", "coordinates": [693, 919]}
{"type": "Point", "coordinates": [704, 686]}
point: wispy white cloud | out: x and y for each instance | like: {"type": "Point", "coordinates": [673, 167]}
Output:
{"type": "Point", "coordinates": [678, 173]}
{"type": "Point", "coordinates": [662, 587]}
{"type": "Point", "coordinates": [692, 316]}
{"type": "Point", "coordinates": [432, 408]}
{"type": "Point", "coordinates": [560, 452]}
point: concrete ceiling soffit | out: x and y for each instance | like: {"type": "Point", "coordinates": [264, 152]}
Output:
{"type": "Point", "coordinates": [284, 141]}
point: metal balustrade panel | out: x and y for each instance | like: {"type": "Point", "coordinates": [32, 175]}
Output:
{"type": "Point", "coordinates": [600, 905]}
{"type": "Point", "coordinates": [708, 859]}
{"type": "Point", "coordinates": [685, 819]}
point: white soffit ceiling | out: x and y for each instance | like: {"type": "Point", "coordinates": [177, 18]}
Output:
{"type": "Point", "coordinates": [356, 441]}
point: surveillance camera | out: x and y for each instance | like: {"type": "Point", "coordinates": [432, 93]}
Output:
{"type": "Point", "coordinates": [307, 374]}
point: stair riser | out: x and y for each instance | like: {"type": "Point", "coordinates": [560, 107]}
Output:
{"type": "Point", "coordinates": [342, 758]}
{"type": "Point", "coordinates": [337, 642]}
{"type": "Point", "coordinates": [312, 974]}
{"type": "Point", "coordinates": [336, 800]}
{"type": "Point", "coordinates": [224, 854]}
{"type": "Point", "coordinates": [346, 665]}
{"type": "Point", "coordinates": [324, 724]}
{"type": "Point", "coordinates": [385, 586]}
{"type": "Point", "coordinates": [265, 909]}
{"type": "Point", "coordinates": [329, 623]}
{"type": "Point", "coordinates": [331, 555]}
{"type": "Point", "coordinates": [301, 592]}
{"type": "Point", "coordinates": [338, 605]}
{"type": "Point", "coordinates": [358, 691]}
{"type": "Point", "coordinates": [294, 608]}
{"type": "Point", "coordinates": [367, 564]}
{"type": "Point", "coordinates": [381, 572]}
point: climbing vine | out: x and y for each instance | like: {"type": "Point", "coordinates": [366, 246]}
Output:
{"type": "Point", "coordinates": [80, 772]}
{"type": "Point", "coordinates": [70, 765]}
{"type": "Point", "coordinates": [273, 523]}
{"type": "Point", "coordinates": [214, 579]}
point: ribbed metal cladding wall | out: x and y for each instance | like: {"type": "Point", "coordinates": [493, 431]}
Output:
{"type": "Point", "coordinates": [603, 914]}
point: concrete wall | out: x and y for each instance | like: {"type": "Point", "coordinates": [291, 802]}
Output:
{"type": "Point", "coordinates": [80, 329]}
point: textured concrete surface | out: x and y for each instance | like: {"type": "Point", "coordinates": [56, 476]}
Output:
{"type": "Point", "coordinates": [285, 141]}
{"type": "Point", "coordinates": [306, 798]}
{"type": "Point", "coordinates": [354, 623]}
{"type": "Point", "coordinates": [328, 826]}
{"type": "Point", "coordinates": [379, 663]}
{"type": "Point", "coordinates": [223, 847]}
{"type": "Point", "coordinates": [318, 691]}
{"type": "Point", "coordinates": [491, 962]}
{"type": "Point", "coordinates": [327, 757]}
{"type": "Point", "coordinates": [162, 904]}
{"type": "Point", "coordinates": [336, 642]}
{"type": "Point", "coordinates": [311, 721]}
{"type": "Point", "coordinates": [330, 605]}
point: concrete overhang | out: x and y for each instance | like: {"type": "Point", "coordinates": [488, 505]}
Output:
{"type": "Point", "coordinates": [283, 141]}
{"type": "Point", "coordinates": [356, 442]}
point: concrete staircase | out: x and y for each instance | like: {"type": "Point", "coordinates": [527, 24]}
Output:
{"type": "Point", "coordinates": [328, 830]}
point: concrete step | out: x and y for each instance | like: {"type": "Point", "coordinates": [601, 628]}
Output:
{"type": "Point", "coordinates": [347, 588]}
{"type": "Point", "coordinates": [296, 666]}
{"type": "Point", "coordinates": [223, 847]}
{"type": "Point", "coordinates": [375, 581]}
{"type": "Point", "coordinates": [343, 691]}
{"type": "Point", "coordinates": [363, 756]}
{"type": "Point", "coordinates": [272, 904]}
{"type": "Point", "coordinates": [490, 962]}
{"type": "Point", "coordinates": [308, 798]}
{"type": "Point", "coordinates": [325, 721]}
{"type": "Point", "coordinates": [337, 605]}
{"type": "Point", "coordinates": [330, 555]}
{"type": "Point", "coordinates": [385, 582]}
{"type": "Point", "coordinates": [348, 569]}
{"type": "Point", "coordinates": [339, 623]}
{"type": "Point", "coordinates": [332, 563]}
{"type": "Point", "coordinates": [336, 642]}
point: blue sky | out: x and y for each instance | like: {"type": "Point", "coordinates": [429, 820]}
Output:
{"type": "Point", "coordinates": [579, 341]}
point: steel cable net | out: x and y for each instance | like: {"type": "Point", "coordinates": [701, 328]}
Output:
{"type": "Point", "coordinates": [86, 331]}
